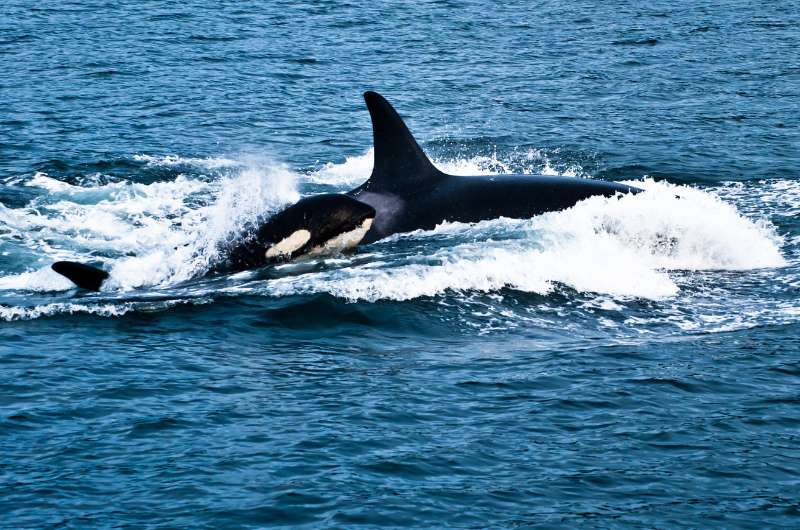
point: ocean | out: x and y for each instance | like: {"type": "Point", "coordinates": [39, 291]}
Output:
{"type": "Point", "coordinates": [632, 362]}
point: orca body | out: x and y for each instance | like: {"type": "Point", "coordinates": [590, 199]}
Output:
{"type": "Point", "coordinates": [319, 224]}
{"type": "Point", "coordinates": [409, 193]}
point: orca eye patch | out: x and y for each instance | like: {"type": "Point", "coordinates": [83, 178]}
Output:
{"type": "Point", "coordinates": [288, 245]}
{"type": "Point", "coordinates": [343, 241]}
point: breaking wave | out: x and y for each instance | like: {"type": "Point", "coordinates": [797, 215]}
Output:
{"type": "Point", "coordinates": [156, 236]}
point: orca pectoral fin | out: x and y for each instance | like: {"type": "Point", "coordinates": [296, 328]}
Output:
{"type": "Point", "coordinates": [84, 276]}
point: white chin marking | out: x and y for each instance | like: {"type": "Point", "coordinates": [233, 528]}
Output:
{"type": "Point", "coordinates": [288, 245]}
{"type": "Point", "coordinates": [343, 241]}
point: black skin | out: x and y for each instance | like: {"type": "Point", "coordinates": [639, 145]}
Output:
{"type": "Point", "coordinates": [409, 193]}
{"type": "Point", "coordinates": [84, 276]}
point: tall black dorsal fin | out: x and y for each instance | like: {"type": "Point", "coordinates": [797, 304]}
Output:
{"type": "Point", "coordinates": [400, 163]}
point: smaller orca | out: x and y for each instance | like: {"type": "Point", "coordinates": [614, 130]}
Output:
{"type": "Point", "coordinates": [316, 225]}
{"type": "Point", "coordinates": [319, 224]}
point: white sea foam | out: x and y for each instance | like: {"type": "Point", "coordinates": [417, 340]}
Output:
{"type": "Point", "coordinates": [778, 197]}
{"type": "Point", "coordinates": [41, 280]}
{"type": "Point", "coordinates": [9, 313]}
{"type": "Point", "coordinates": [352, 172]}
{"type": "Point", "coordinates": [623, 246]}
{"type": "Point", "coordinates": [174, 160]}
{"type": "Point", "coordinates": [146, 234]}
{"type": "Point", "coordinates": [30, 313]}
{"type": "Point", "coordinates": [356, 169]}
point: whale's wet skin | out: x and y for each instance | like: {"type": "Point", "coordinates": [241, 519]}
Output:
{"type": "Point", "coordinates": [409, 193]}
{"type": "Point", "coordinates": [630, 361]}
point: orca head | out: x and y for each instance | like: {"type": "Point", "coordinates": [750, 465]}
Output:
{"type": "Point", "coordinates": [319, 224]}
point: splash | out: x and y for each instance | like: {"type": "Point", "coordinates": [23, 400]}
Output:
{"type": "Point", "coordinates": [174, 161]}
{"type": "Point", "coordinates": [356, 169]}
{"type": "Point", "coordinates": [155, 236]}
{"type": "Point", "coordinates": [145, 234]}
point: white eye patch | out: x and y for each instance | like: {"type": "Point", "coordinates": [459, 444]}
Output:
{"type": "Point", "coordinates": [343, 241]}
{"type": "Point", "coordinates": [286, 246]}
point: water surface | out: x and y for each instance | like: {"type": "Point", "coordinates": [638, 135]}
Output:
{"type": "Point", "coordinates": [629, 363]}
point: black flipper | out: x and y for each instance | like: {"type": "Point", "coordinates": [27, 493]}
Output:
{"type": "Point", "coordinates": [84, 276]}
{"type": "Point", "coordinates": [400, 164]}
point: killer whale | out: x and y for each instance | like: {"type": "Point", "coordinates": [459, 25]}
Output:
{"type": "Point", "coordinates": [409, 193]}
{"type": "Point", "coordinates": [318, 224]}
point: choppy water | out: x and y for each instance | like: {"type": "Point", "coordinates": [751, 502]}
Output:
{"type": "Point", "coordinates": [630, 362]}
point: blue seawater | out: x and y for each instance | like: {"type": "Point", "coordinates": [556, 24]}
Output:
{"type": "Point", "coordinates": [628, 363]}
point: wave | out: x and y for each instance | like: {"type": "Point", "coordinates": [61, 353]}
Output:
{"type": "Point", "coordinates": [155, 236]}
{"type": "Point", "coordinates": [145, 234]}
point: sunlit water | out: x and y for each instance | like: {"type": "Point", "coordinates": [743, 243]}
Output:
{"type": "Point", "coordinates": [629, 362]}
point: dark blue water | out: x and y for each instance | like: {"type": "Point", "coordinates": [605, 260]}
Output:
{"type": "Point", "coordinates": [629, 363]}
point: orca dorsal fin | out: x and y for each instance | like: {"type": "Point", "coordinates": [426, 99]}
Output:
{"type": "Point", "coordinates": [84, 276]}
{"type": "Point", "coordinates": [400, 163]}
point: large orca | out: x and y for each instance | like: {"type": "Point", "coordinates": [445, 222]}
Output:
{"type": "Point", "coordinates": [409, 193]}
{"type": "Point", "coordinates": [319, 224]}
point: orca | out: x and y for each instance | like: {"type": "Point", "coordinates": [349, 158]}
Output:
{"type": "Point", "coordinates": [409, 193]}
{"type": "Point", "coordinates": [319, 224]}
{"type": "Point", "coordinates": [315, 225]}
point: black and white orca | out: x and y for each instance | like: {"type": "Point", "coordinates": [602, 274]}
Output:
{"type": "Point", "coordinates": [409, 193]}
{"type": "Point", "coordinates": [315, 225]}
